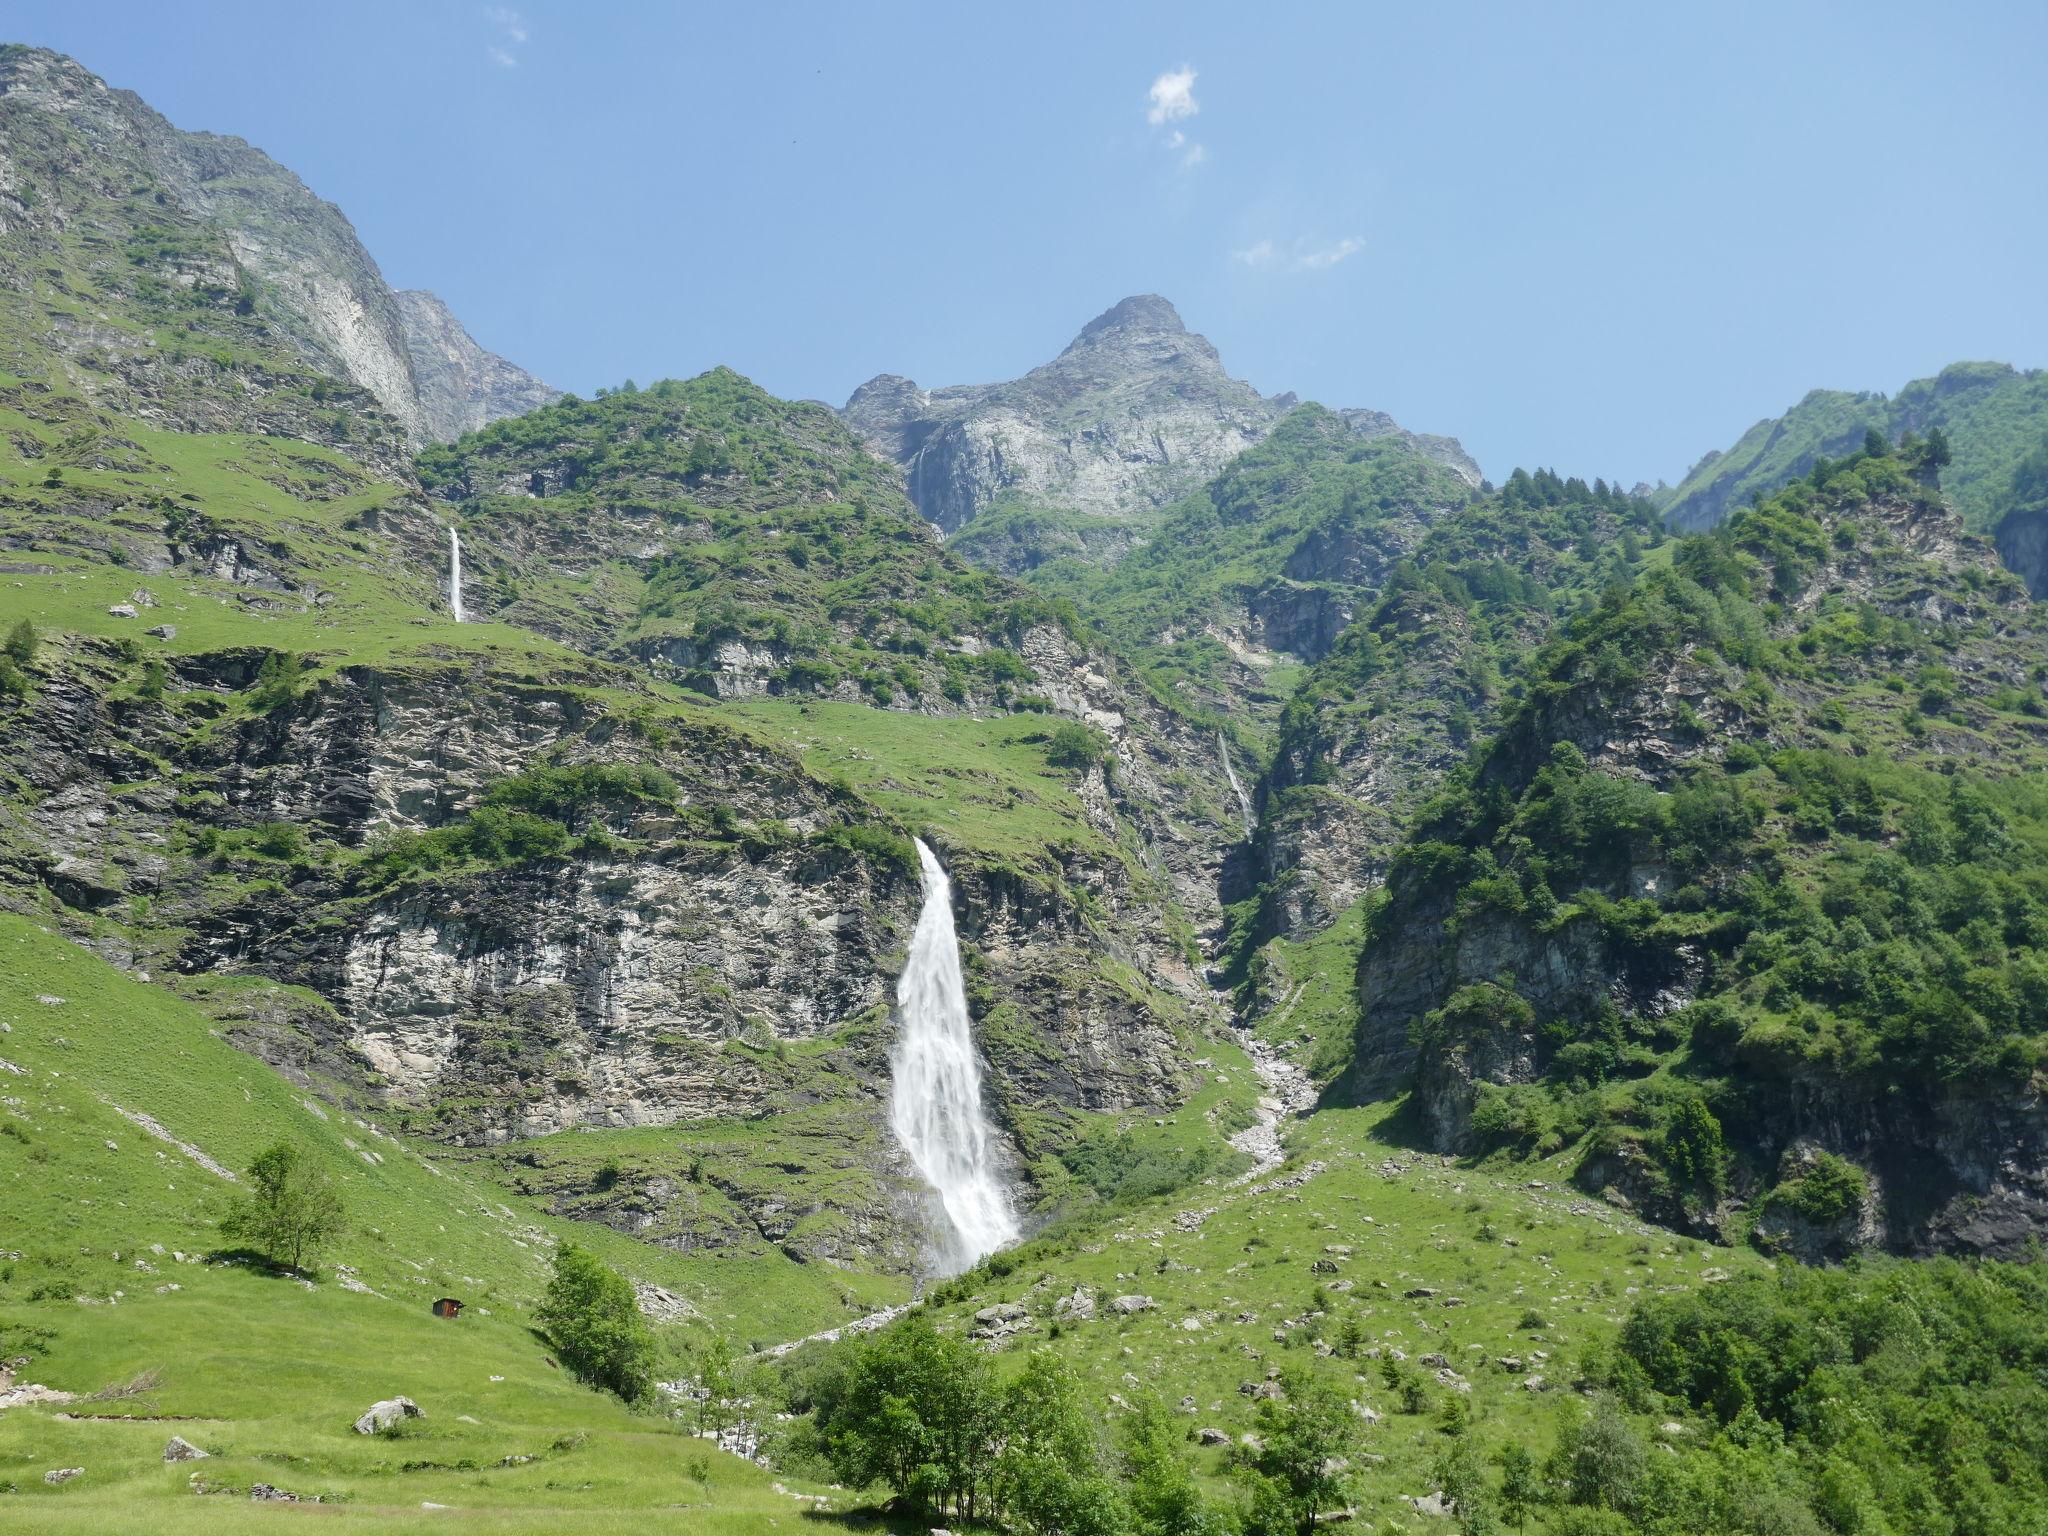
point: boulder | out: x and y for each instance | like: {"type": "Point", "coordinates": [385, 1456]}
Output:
{"type": "Point", "coordinates": [1079, 1307]}
{"type": "Point", "coordinates": [63, 1474]}
{"type": "Point", "coordinates": [1211, 1435]}
{"type": "Point", "coordinates": [1127, 1306]}
{"type": "Point", "coordinates": [181, 1449]}
{"type": "Point", "coordinates": [388, 1414]}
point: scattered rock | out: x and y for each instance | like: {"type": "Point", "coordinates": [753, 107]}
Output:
{"type": "Point", "coordinates": [122, 611]}
{"type": "Point", "coordinates": [1127, 1306]}
{"type": "Point", "coordinates": [63, 1474]}
{"type": "Point", "coordinates": [1079, 1307]}
{"type": "Point", "coordinates": [162, 631]}
{"type": "Point", "coordinates": [181, 1449]}
{"type": "Point", "coordinates": [1211, 1435]}
{"type": "Point", "coordinates": [388, 1414]}
{"type": "Point", "coordinates": [32, 1392]}
{"type": "Point", "coordinates": [663, 1306]}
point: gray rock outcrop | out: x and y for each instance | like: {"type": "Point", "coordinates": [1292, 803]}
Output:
{"type": "Point", "coordinates": [461, 386]}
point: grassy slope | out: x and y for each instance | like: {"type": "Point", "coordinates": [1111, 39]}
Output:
{"type": "Point", "coordinates": [274, 1373]}
{"type": "Point", "coordinates": [1506, 1242]}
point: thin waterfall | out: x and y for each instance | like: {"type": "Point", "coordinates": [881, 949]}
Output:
{"type": "Point", "coordinates": [455, 573]}
{"type": "Point", "coordinates": [936, 1099]}
{"type": "Point", "coordinates": [1244, 801]}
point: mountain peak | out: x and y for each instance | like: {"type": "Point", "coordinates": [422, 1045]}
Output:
{"type": "Point", "coordinates": [1139, 312]}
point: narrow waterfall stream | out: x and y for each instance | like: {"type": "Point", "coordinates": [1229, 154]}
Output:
{"type": "Point", "coordinates": [455, 573]}
{"type": "Point", "coordinates": [935, 1106]}
{"type": "Point", "coordinates": [1244, 801]}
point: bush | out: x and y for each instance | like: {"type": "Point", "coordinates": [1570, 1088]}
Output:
{"type": "Point", "coordinates": [1077, 746]}
{"type": "Point", "coordinates": [1831, 1189]}
{"type": "Point", "coordinates": [277, 682]}
{"type": "Point", "coordinates": [593, 1318]}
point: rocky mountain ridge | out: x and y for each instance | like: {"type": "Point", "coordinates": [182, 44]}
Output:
{"type": "Point", "coordinates": [298, 255]}
{"type": "Point", "coordinates": [1992, 414]}
{"type": "Point", "coordinates": [1076, 457]}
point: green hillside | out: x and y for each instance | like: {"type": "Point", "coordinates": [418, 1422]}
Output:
{"type": "Point", "coordinates": [1993, 414]}
{"type": "Point", "coordinates": [123, 1105]}
{"type": "Point", "coordinates": [1783, 820]}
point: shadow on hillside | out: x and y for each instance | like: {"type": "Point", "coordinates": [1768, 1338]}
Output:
{"type": "Point", "coordinates": [262, 1263]}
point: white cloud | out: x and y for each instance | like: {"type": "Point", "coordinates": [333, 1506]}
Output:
{"type": "Point", "coordinates": [1303, 255]}
{"type": "Point", "coordinates": [1329, 255]}
{"type": "Point", "coordinates": [1172, 97]}
{"type": "Point", "coordinates": [1172, 100]}
{"type": "Point", "coordinates": [511, 29]}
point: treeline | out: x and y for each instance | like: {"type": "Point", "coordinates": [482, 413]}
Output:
{"type": "Point", "coordinates": [1887, 1398]}
{"type": "Point", "coordinates": [952, 1436]}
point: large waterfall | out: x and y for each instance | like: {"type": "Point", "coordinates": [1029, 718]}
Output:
{"type": "Point", "coordinates": [1244, 801]}
{"type": "Point", "coordinates": [455, 573]}
{"type": "Point", "coordinates": [936, 1107]}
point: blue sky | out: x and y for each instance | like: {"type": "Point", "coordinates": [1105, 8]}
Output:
{"type": "Point", "coordinates": [1604, 238]}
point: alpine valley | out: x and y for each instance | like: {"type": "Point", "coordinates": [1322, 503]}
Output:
{"type": "Point", "coordinates": [1099, 955]}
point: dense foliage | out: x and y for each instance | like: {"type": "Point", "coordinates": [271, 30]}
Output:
{"type": "Point", "coordinates": [1883, 1397]}
{"type": "Point", "coordinates": [1847, 911]}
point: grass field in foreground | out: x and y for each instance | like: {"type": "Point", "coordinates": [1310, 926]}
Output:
{"type": "Point", "coordinates": [272, 1372]}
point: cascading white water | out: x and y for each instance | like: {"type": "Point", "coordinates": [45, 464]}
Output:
{"type": "Point", "coordinates": [455, 573]}
{"type": "Point", "coordinates": [936, 1101]}
{"type": "Point", "coordinates": [1244, 801]}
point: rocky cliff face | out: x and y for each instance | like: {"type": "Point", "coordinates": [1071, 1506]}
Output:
{"type": "Point", "coordinates": [2022, 539]}
{"type": "Point", "coordinates": [461, 386]}
{"type": "Point", "coordinates": [1137, 411]}
{"type": "Point", "coordinates": [285, 252]}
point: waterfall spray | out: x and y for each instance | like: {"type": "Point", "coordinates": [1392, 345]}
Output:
{"type": "Point", "coordinates": [936, 1102]}
{"type": "Point", "coordinates": [1244, 801]}
{"type": "Point", "coordinates": [455, 573]}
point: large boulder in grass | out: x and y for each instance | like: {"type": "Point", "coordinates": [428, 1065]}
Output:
{"type": "Point", "coordinates": [181, 1449]}
{"type": "Point", "coordinates": [388, 1415]}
